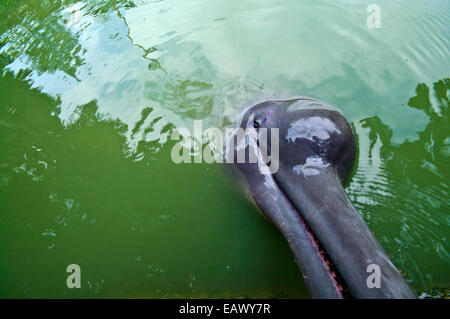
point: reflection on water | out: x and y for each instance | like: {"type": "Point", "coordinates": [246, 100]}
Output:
{"type": "Point", "coordinates": [33, 32]}
{"type": "Point", "coordinates": [90, 92]}
{"type": "Point", "coordinates": [404, 187]}
{"type": "Point", "coordinates": [136, 228]}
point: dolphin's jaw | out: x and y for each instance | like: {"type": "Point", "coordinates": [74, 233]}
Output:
{"type": "Point", "coordinates": [339, 283]}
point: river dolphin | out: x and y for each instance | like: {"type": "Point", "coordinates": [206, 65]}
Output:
{"type": "Point", "coordinates": [305, 199]}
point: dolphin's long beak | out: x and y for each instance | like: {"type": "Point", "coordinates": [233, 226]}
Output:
{"type": "Point", "coordinates": [318, 276]}
{"type": "Point", "coordinates": [334, 248]}
{"type": "Point", "coordinates": [333, 221]}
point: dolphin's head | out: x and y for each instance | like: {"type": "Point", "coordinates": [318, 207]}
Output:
{"type": "Point", "coordinates": [304, 197]}
{"type": "Point", "coordinates": [311, 133]}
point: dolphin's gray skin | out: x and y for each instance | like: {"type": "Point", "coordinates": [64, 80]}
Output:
{"type": "Point", "coordinates": [306, 201]}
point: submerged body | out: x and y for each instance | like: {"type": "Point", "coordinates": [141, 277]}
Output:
{"type": "Point", "coordinates": [304, 198]}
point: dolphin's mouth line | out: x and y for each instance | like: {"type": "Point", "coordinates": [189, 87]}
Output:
{"type": "Point", "coordinates": [338, 281]}
{"type": "Point", "coordinates": [335, 276]}
{"type": "Point", "coordinates": [340, 285]}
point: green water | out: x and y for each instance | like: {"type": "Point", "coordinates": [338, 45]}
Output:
{"type": "Point", "coordinates": [91, 90]}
